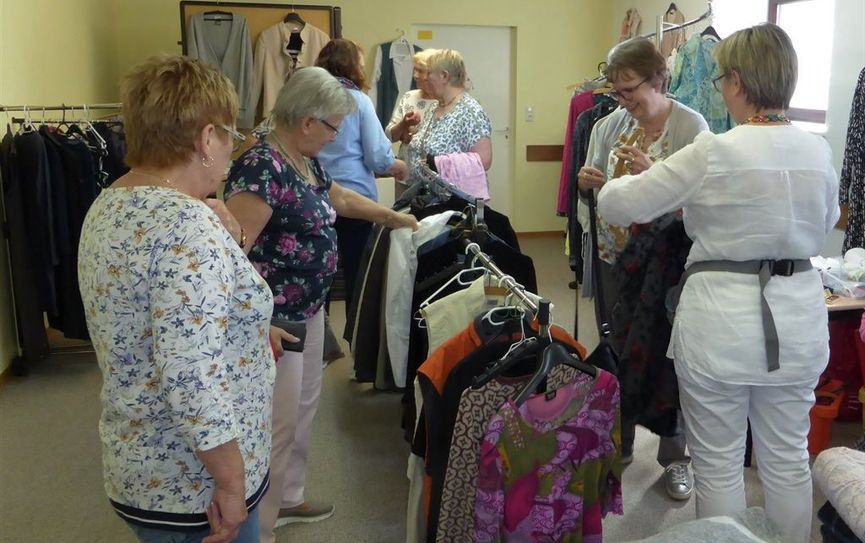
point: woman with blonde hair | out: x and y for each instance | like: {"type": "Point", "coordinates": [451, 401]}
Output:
{"type": "Point", "coordinates": [458, 123]}
{"type": "Point", "coordinates": [750, 335]}
{"type": "Point", "coordinates": [179, 318]}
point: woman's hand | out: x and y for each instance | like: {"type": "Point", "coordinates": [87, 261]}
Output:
{"type": "Point", "coordinates": [277, 334]}
{"type": "Point", "coordinates": [590, 178]}
{"type": "Point", "coordinates": [225, 514]}
{"type": "Point", "coordinates": [225, 217]}
{"type": "Point", "coordinates": [401, 220]}
{"type": "Point", "coordinates": [636, 160]}
{"type": "Point", "coordinates": [407, 127]}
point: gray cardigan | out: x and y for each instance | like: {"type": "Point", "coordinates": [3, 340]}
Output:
{"type": "Point", "coordinates": [682, 127]}
{"type": "Point", "coordinates": [227, 46]}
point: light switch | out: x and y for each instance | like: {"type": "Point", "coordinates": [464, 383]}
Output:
{"type": "Point", "coordinates": [530, 114]}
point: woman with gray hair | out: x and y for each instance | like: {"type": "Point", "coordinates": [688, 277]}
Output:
{"type": "Point", "coordinates": [750, 336]}
{"type": "Point", "coordinates": [287, 205]}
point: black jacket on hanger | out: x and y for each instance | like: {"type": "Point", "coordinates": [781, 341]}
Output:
{"type": "Point", "coordinates": [25, 287]}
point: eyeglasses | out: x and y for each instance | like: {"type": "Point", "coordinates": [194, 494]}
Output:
{"type": "Point", "coordinates": [626, 93]}
{"type": "Point", "coordinates": [333, 129]}
{"type": "Point", "coordinates": [239, 138]}
{"type": "Point", "coordinates": [716, 82]}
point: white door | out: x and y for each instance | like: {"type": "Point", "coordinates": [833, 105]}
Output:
{"type": "Point", "coordinates": [487, 53]}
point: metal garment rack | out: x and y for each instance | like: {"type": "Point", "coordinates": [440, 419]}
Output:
{"type": "Point", "coordinates": [62, 107]}
{"type": "Point", "coordinates": [504, 279]}
{"type": "Point", "coordinates": [19, 364]}
{"type": "Point", "coordinates": [663, 26]}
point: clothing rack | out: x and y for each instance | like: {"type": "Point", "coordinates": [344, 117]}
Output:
{"type": "Point", "coordinates": [663, 26]}
{"type": "Point", "coordinates": [19, 363]}
{"type": "Point", "coordinates": [62, 107]}
{"type": "Point", "coordinates": [504, 279]}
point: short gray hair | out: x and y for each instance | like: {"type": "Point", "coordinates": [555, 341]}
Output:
{"type": "Point", "coordinates": [450, 61]}
{"type": "Point", "coordinates": [765, 60]}
{"type": "Point", "coordinates": [311, 92]}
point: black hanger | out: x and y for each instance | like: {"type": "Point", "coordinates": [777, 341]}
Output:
{"type": "Point", "coordinates": [294, 17]}
{"type": "Point", "coordinates": [552, 355]}
{"type": "Point", "coordinates": [710, 32]}
{"type": "Point", "coordinates": [218, 15]}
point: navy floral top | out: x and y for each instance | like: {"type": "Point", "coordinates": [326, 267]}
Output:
{"type": "Point", "coordinates": [296, 253]}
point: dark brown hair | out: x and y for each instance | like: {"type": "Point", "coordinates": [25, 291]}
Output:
{"type": "Point", "coordinates": [341, 58]}
{"type": "Point", "coordinates": [640, 56]}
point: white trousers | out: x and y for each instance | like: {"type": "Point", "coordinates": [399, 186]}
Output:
{"type": "Point", "coordinates": [716, 416]}
{"type": "Point", "coordinates": [295, 402]}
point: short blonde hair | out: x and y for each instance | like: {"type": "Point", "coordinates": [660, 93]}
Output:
{"type": "Point", "coordinates": [766, 62]}
{"type": "Point", "coordinates": [421, 58]}
{"type": "Point", "coordinates": [311, 92]}
{"type": "Point", "coordinates": [640, 56]}
{"type": "Point", "coordinates": [167, 100]}
{"type": "Point", "coordinates": [450, 61]}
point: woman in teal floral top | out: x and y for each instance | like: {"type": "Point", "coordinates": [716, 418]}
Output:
{"type": "Point", "coordinates": [179, 318]}
{"type": "Point", "coordinates": [287, 205]}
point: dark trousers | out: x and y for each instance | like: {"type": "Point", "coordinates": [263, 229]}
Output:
{"type": "Point", "coordinates": [352, 235]}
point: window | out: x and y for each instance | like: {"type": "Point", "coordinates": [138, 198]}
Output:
{"type": "Point", "coordinates": [809, 24]}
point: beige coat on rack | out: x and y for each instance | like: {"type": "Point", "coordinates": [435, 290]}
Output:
{"type": "Point", "coordinates": [673, 39]}
{"type": "Point", "coordinates": [631, 24]}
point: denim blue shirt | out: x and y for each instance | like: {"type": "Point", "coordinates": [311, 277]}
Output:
{"type": "Point", "coordinates": [360, 150]}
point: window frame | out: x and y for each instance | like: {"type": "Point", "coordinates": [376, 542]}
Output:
{"type": "Point", "coordinates": [817, 116]}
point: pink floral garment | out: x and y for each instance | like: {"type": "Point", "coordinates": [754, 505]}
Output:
{"type": "Point", "coordinates": [551, 469]}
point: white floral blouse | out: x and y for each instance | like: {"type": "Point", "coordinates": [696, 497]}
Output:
{"type": "Point", "coordinates": [456, 131]}
{"type": "Point", "coordinates": [179, 322]}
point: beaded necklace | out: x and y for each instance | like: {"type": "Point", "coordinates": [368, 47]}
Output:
{"type": "Point", "coordinates": [764, 118]}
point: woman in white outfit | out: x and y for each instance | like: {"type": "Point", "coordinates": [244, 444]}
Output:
{"type": "Point", "coordinates": [750, 336]}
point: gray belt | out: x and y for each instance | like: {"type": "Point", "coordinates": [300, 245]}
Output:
{"type": "Point", "coordinates": [765, 269]}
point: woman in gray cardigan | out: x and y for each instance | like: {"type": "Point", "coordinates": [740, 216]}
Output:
{"type": "Point", "coordinates": [648, 126]}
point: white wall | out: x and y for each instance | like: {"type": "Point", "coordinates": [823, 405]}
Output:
{"type": "Point", "coordinates": [848, 59]}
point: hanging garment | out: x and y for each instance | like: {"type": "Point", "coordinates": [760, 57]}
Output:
{"type": "Point", "coordinates": [630, 25]}
{"type": "Point", "coordinates": [550, 468]}
{"type": "Point", "coordinates": [401, 268]}
{"type": "Point", "coordinates": [580, 138]}
{"type": "Point", "coordinates": [466, 172]}
{"type": "Point", "coordinates": [852, 191]}
{"type": "Point", "coordinates": [579, 103]}
{"type": "Point", "coordinates": [25, 285]}
{"type": "Point", "coordinates": [392, 76]}
{"type": "Point", "coordinates": [476, 408]}
{"type": "Point", "coordinates": [443, 377]}
{"type": "Point", "coordinates": [672, 39]}
{"type": "Point", "coordinates": [272, 64]}
{"type": "Point", "coordinates": [227, 46]}
{"type": "Point", "coordinates": [691, 83]}
{"type": "Point", "coordinates": [32, 164]}
{"type": "Point", "coordinates": [651, 264]}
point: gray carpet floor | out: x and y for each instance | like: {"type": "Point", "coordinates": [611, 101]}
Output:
{"type": "Point", "coordinates": [50, 466]}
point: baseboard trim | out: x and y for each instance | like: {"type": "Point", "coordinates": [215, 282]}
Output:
{"type": "Point", "coordinates": [5, 376]}
{"type": "Point", "coordinates": [544, 234]}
